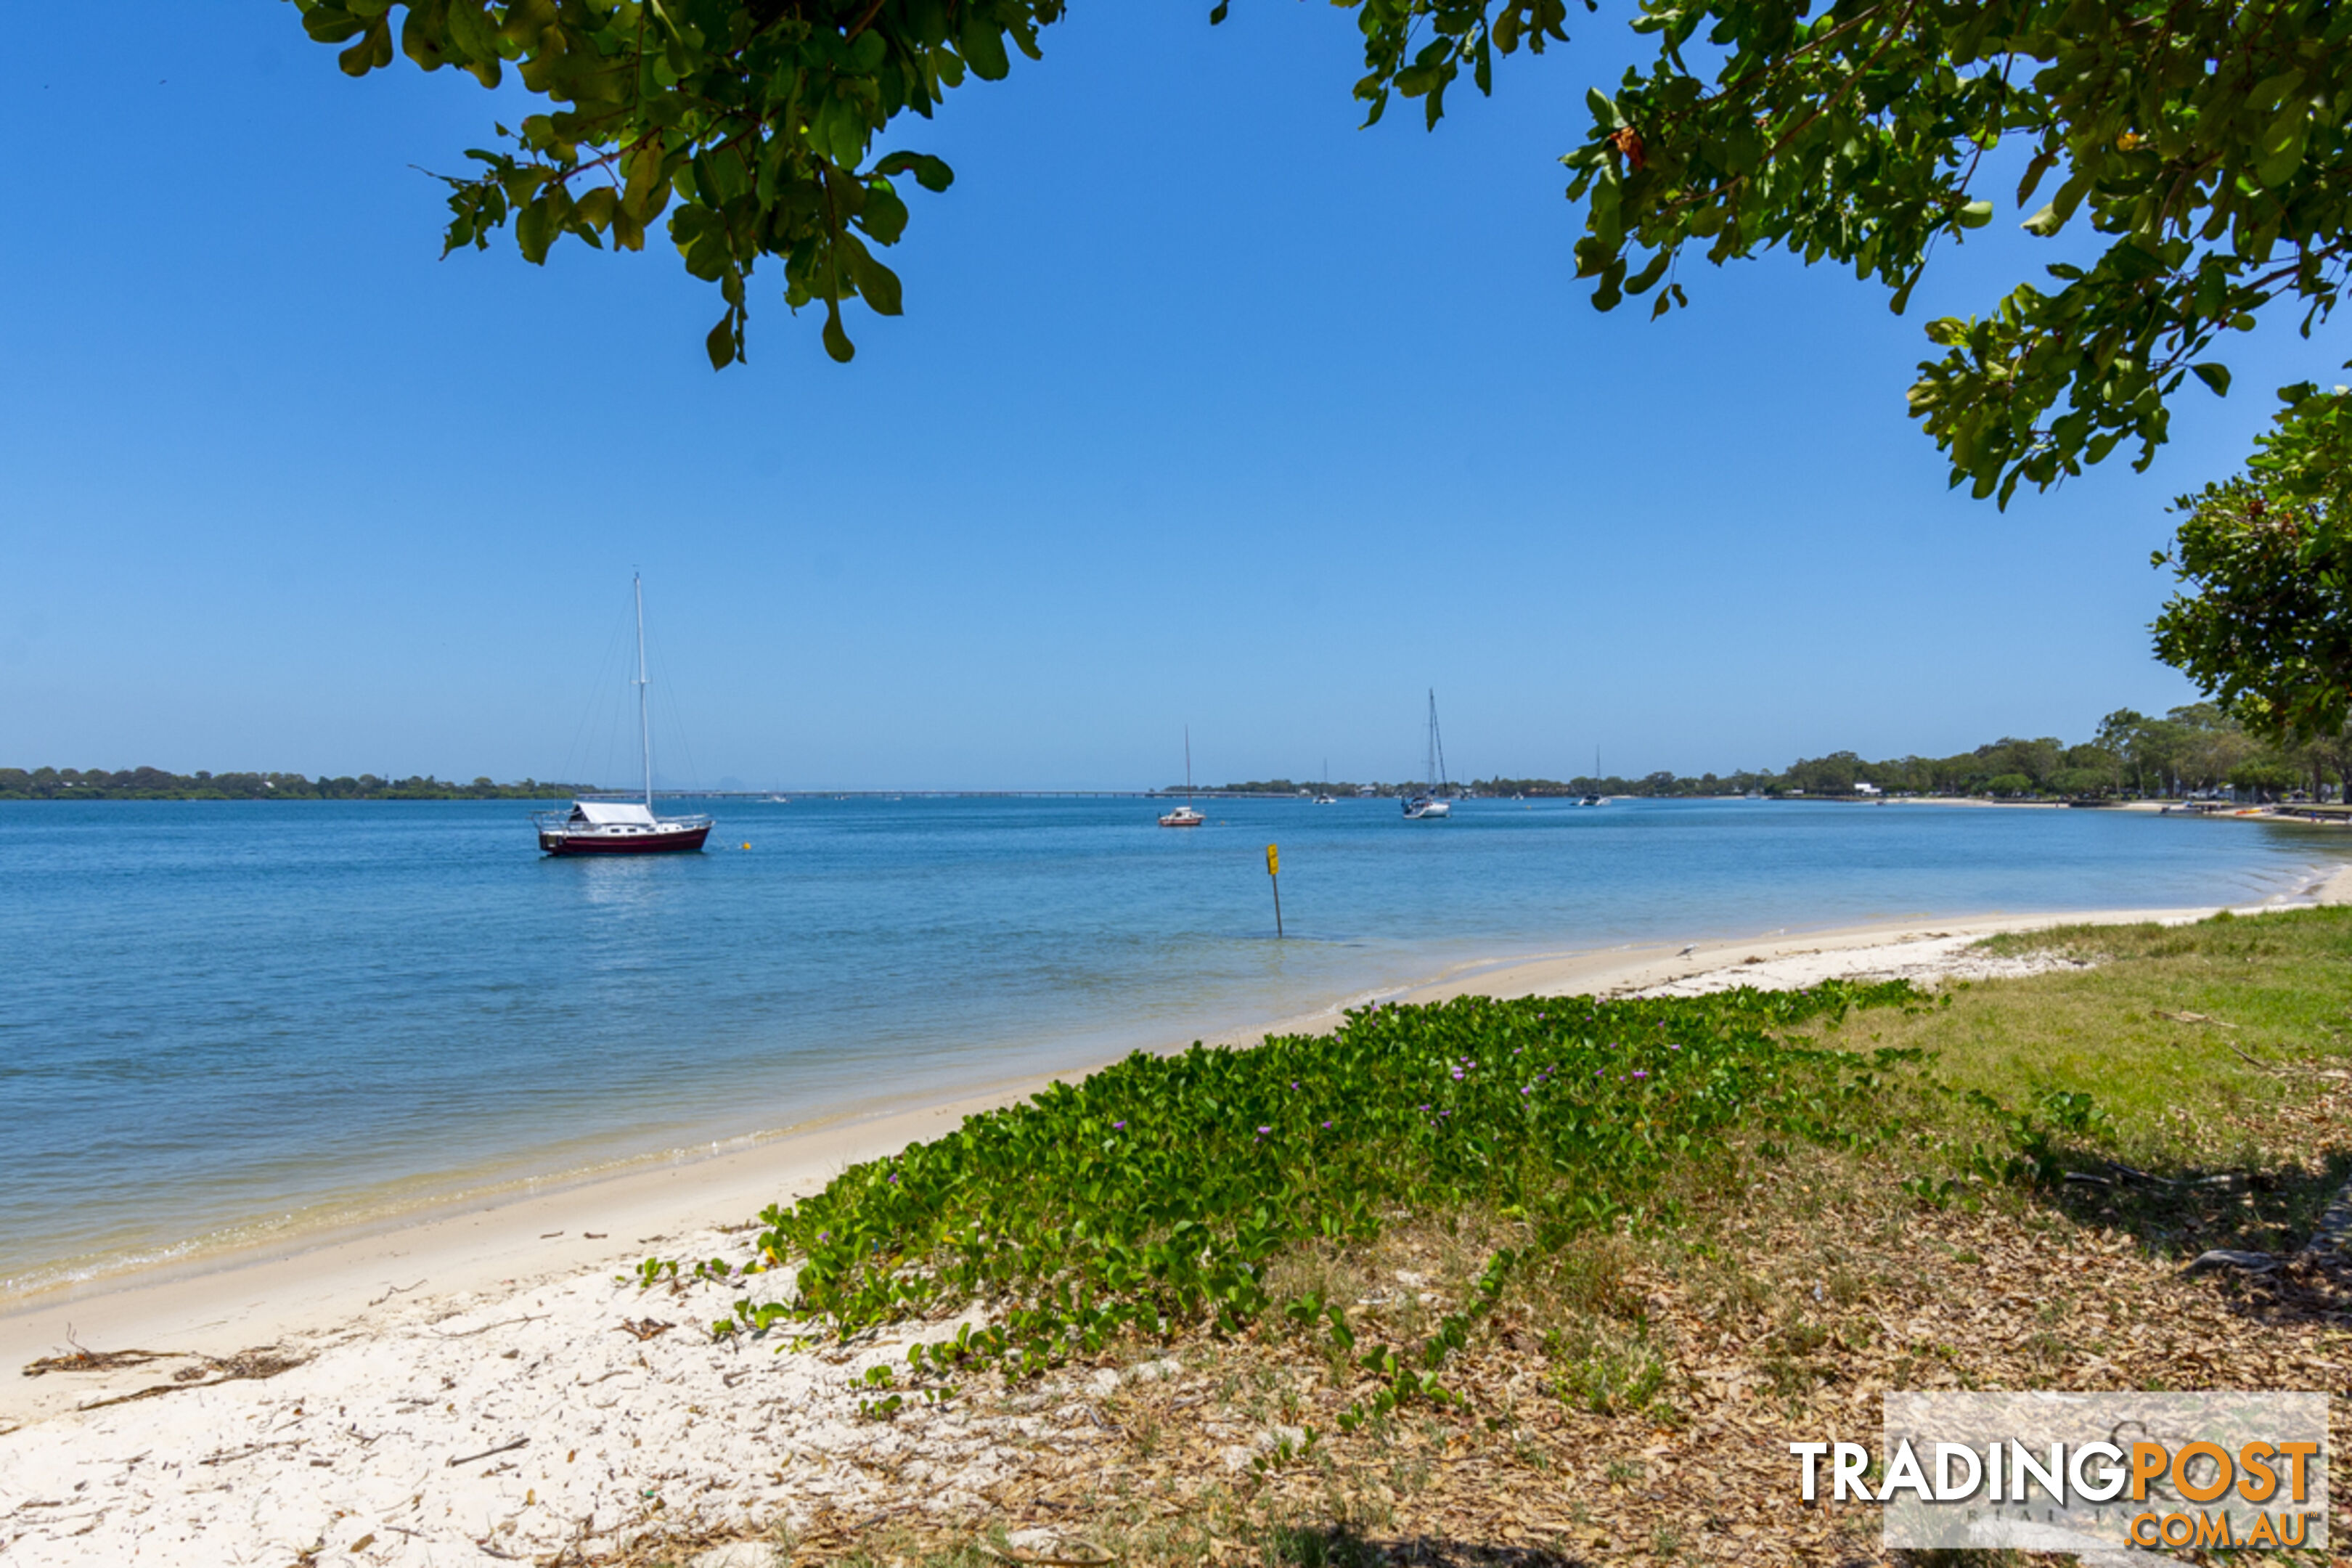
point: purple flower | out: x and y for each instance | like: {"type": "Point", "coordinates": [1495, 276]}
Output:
{"type": "Point", "coordinates": [1422, 1108]}
{"type": "Point", "coordinates": [1641, 1072]}
{"type": "Point", "coordinates": [1264, 1130]}
{"type": "Point", "coordinates": [1327, 1125]}
{"type": "Point", "coordinates": [1118, 1126]}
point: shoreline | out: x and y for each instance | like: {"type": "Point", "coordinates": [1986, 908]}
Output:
{"type": "Point", "coordinates": [328, 1280]}
{"type": "Point", "coordinates": [494, 1383]}
{"type": "Point", "coordinates": [87, 1242]}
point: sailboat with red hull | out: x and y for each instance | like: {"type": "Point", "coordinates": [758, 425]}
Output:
{"type": "Point", "coordinates": [622, 826]}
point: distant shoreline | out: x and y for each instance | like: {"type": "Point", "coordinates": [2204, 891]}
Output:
{"type": "Point", "coordinates": [154, 783]}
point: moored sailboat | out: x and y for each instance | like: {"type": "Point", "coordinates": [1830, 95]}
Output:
{"type": "Point", "coordinates": [623, 827]}
{"type": "Point", "coordinates": [1185, 815]}
{"type": "Point", "coordinates": [1429, 803]}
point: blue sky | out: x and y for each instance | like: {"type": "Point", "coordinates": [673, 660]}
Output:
{"type": "Point", "coordinates": [1209, 407]}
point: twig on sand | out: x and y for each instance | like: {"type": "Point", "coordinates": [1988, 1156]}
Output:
{"type": "Point", "coordinates": [93, 1361]}
{"type": "Point", "coordinates": [486, 1453]}
{"type": "Point", "coordinates": [485, 1328]}
{"type": "Point", "coordinates": [394, 1290]}
{"type": "Point", "coordinates": [226, 1458]}
{"type": "Point", "coordinates": [644, 1328]}
{"type": "Point", "coordinates": [266, 1361]}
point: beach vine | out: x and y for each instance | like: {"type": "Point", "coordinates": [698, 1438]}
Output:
{"type": "Point", "coordinates": [1151, 1198]}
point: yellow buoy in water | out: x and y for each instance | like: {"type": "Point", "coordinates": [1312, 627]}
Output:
{"type": "Point", "coordinates": [747, 847]}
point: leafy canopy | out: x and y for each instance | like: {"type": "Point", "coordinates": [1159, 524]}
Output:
{"type": "Point", "coordinates": [2205, 140]}
{"type": "Point", "coordinates": [2268, 556]}
{"type": "Point", "coordinates": [750, 122]}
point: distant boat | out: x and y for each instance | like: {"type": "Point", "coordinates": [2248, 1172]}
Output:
{"type": "Point", "coordinates": [1185, 815]}
{"type": "Point", "coordinates": [622, 828]}
{"type": "Point", "coordinates": [1429, 803]}
{"type": "Point", "coordinates": [1325, 798]}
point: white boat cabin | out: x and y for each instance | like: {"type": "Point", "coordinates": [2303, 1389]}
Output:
{"type": "Point", "coordinates": [613, 816]}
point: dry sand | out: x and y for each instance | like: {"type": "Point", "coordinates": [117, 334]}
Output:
{"type": "Point", "coordinates": [469, 1388]}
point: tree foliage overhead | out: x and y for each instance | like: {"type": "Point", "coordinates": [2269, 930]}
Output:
{"type": "Point", "coordinates": [750, 123]}
{"type": "Point", "coordinates": [2205, 140]}
{"type": "Point", "coordinates": [2268, 627]}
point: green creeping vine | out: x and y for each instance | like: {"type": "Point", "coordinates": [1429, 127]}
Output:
{"type": "Point", "coordinates": [1151, 1196]}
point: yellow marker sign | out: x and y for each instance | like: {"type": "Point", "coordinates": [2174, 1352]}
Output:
{"type": "Point", "coordinates": [1273, 861]}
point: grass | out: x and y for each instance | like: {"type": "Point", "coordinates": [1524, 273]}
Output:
{"type": "Point", "coordinates": [2274, 988]}
{"type": "Point", "coordinates": [2182, 1069]}
{"type": "Point", "coordinates": [1815, 1198]}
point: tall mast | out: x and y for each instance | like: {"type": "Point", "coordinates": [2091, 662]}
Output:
{"type": "Point", "coordinates": [644, 725]}
{"type": "Point", "coordinates": [1435, 757]}
{"type": "Point", "coordinates": [1188, 764]}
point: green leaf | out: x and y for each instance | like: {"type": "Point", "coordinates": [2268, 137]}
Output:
{"type": "Point", "coordinates": [876, 282]}
{"type": "Point", "coordinates": [2044, 223]}
{"type": "Point", "coordinates": [837, 341]}
{"type": "Point", "coordinates": [2216, 377]}
{"type": "Point", "coordinates": [1976, 214]}
{"type": "Point", "coordinates": [931, 174]}
{"type": "Point", "coordinates": [982, 44]}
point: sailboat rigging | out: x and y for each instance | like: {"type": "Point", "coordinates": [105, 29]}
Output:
{"type": "Point", "coordinates": [1429, 803]}
{"type": "Point", "coordinates": [1185, 815]}
{"type": "Point", "coordinates": [623, 827]}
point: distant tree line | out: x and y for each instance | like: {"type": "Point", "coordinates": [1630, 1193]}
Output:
{"type": "Point", "coordinates": [2195, 750]}
{"type": "Point", "coordinates": [154, 783]}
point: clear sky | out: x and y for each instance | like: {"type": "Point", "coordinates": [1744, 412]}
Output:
{"type": "Point", "coordinates": [1208, 408]}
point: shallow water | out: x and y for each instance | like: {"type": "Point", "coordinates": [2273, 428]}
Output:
{"type": "Point", "coordinates": [221, 1019]}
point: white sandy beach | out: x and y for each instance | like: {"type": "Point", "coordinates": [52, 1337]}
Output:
{"type": "Point", "coordinates": [480, 1386]}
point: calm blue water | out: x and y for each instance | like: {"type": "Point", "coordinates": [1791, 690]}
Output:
{"type": "Point", "coordinates": [217, 1018]}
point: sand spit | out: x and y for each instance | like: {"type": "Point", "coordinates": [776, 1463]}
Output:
{"type": "Point", "coordinates": [447, 1415]}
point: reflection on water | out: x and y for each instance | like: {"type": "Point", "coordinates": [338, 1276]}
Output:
{"type": "Point", "coordinates": [218, 1015]}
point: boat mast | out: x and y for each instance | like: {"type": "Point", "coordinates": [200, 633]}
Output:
{"type": "Point", "coordinates": [644, 725]}
{"type": "Point", "coordinates": [1188, 765]}
{"type": "Point", "coordinates": [1436, 748]}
